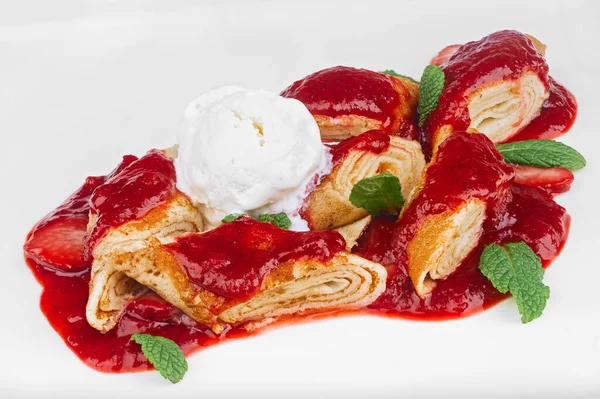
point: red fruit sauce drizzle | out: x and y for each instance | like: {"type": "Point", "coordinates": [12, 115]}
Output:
{"type": "Point", "coordinates": [233, 260]}
{"type": "Point", "coordinates": [346, 91]}
{"type": "Point", "coordinates": [375, 141]}
{"type": "Point", "coordinates": [501, 55]}
{"type": "Point", "coordinates": [524, 213]}
{"type": "Point", "coordinates": [130, 194]}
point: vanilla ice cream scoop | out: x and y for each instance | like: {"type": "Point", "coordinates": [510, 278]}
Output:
{"type": "Point", "coordinates": [248, 151]}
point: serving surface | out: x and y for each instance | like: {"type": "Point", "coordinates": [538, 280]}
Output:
{"type": "Point", "coordinates": [563, 345]}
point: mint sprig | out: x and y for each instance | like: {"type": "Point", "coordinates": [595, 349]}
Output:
{"type": "Point", "coordinates": [280, 220]}
{"type": "Point", "coordinates": [231, 217]}
{"type": "Point", "coordinates": [165, 355]}
{"type": "Point", "coordinates": [542, 153]}
{"type": "Point", "coordinates": [391, 72]}
{"type": "Point", "coordinates": [516, 268]}
{"type": "Point", "coordinates": [377, 194]}
{"type": "Point", "coordinates": [432, 84]}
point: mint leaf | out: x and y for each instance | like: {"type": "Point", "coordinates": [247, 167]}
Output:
{"type": "Point", "coordinates": [432, 84]}
{"type": "Point", "coordinates": [231, 217]}
{"type": "Point", "coordinates": [165, 355]}
{"type": "Point", "coordinates": [516, 268]}
{"type": "Point", "coordinates": [381, 193]}
{"type": "Point", "coordinates": [542, 153]}
{"type": "Point", "coordinates": [280, 220]}
{"type": "Point", "coordinates": [391, 72]}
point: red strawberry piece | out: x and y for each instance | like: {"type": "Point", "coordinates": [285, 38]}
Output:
{"type": "Point", "coordinates": [58, 243]}
{"type": "Point", "coordinates": [555, 180]}
{"type": "Point", "coordinates": [444, 55]}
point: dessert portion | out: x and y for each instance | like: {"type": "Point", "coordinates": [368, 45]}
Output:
{"type": "Point", "coordinates": [495, 86]}
{"type": "Point", "coordinates": [353, 189]}
{"type": "Point", "coordinates": [443, 221]}
{"type": "Point", "coordinates": [328, 206]}
{"type": "Point", "coordinates": [348, 101]}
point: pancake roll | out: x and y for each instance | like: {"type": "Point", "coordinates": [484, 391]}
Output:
{"type": "Point", "coordinates": [136, 205]}
{"type": "Point", "coordinates": [443, 220]}
{"type": "Point", "coordinates": [349, 101]}
{"type": "Point", "coordinates": [328, 205]}
{"type": "Point", "coordinates": [495, 86]}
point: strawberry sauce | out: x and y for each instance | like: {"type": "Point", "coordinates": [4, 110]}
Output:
{"type": "Point", "coordinates": [529, 214]}
{"type": "Point", "coordinates": [375, 141]}
{"type": "Point", "coordinates": [341, 91]}
{"type": "Point", "coordinates": [556, 117]}
{"type": "Point", "coordinates": [503, 55]}
{"type": "Point", "coordinates": [233, 259]}
{"type": "Point", "coordinates": [129, 194]}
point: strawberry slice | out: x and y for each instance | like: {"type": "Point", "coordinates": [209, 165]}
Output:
{"type": "Point", "coordinates": [555, 180]}
{"type": "Point", "coordinates": [443, 55]}
{"type": "Point", "coordinates": [58, 243]}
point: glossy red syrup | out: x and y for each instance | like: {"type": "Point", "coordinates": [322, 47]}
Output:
{"type": "Point", "coordinates": [529, 214]}
{"type": "Point", "coordinates": [375, 141]}
{"type": "Point", "coordinates": [556, 117]}
{"type": "Point", "coordinates": [341, 90]}
{"type": "Point", "coordinates": [233, 259]}
{"type": "Point", "coordinates": [128, 195]}
{"type": "Point", "coordinates": [503, 55]}
{"type": "Point", "coordinates": [63, 303]}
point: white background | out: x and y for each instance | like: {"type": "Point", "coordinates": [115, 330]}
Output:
{"type": "Point", "coordinates": [84, 82]}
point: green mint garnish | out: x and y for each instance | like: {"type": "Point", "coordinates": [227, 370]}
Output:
{"type": "Point", "coordinates": [432, 84]}
{"type": "Point", "coordinates": [391, 72]}
{"type": "Point", "coordinates": [516, 268]}
{"type": "Point", "coordinates": [381, 193]}
{"type": "Point", "coordinates": [542, 153]}
{"type": "Point", "coordinates": [231, 217]}
{"type": "Point", "coordinates": [280, 220]}
{"type": "Point", "coordinates": [165, 355]}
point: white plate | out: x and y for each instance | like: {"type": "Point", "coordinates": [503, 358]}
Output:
{"type": "Point", "coordinates": [82, 83]}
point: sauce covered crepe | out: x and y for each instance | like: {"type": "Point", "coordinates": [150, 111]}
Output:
{"type": "Point", "coordinates": [496, 86]}
{"type": "Point", "coordinates": [349, 101]}
{"type": "Point", "coordinates": [443, 220]}
{"type": "Point", "coordinates": [328, 205]}
{"type": "Point", "coordinates": [134, 205]}
{"type": "Point", "coordinates": [246, 271]}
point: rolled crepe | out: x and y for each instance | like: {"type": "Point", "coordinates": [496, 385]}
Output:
{"type": "Point", "coordinates": [247, 271]}
{"type": "Point", "coordinates": [494, 86]}
{"type": "Point", "coordinates": [443, 221]}
{"type": "Point", "coordinates": [110, 289]}
{"type": "Point", "coordinates": [349, 101]}
{"type": "Point", "coordinates": [328, 206]}
{"type": "Point", "coordinates": [136, 204]}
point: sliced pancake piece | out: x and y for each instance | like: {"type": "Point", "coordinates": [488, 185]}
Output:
{"type": "Point", "coordinates": [495, 86]}
{"type": "Point", "coordinates": [347, 281]}
{"type": "Point", "coordinates": [349, 101]}
{"type": "Point", "coordinates": [443, 220]}
{"type": "Point", "coordinates": [134, 205]}
{"type": "Point", "coordinates": [246, 271]}
{"type": "Point", "coordinates": [328, 206]}
{"type": "Point", "coordinates": [110, 289]}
